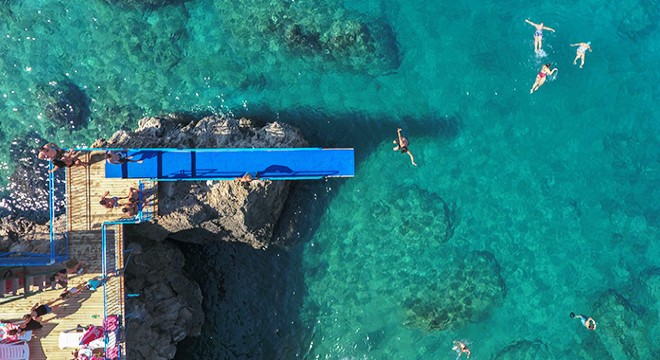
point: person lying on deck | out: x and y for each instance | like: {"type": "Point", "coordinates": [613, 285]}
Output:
{"type": "Point", "coordinates": [118, 158]}
{"type": "Point", "coordinates": [109, 202]}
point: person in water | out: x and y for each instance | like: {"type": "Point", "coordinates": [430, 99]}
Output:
{"type": "Point", "coordinates": [461, 348]}
{"type": "Point", "coordinates": [587, 321]}
{"type": "Point", "coordinates": [540, 77]}
{"type": "Point", "coordinates": [402, 144]}
{"type": "Point", "coordinates": [582, 48]}
{"type": "Point", "coordinates": [538, 35]}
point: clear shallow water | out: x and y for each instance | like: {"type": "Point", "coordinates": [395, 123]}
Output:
{"type": "Point", "coordinates": [561, 187]}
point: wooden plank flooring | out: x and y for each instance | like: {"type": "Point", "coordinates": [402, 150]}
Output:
{"type": "Point", "coordinates": [86, 186]}
{"type": "Point", "coordinates": [85, 216]}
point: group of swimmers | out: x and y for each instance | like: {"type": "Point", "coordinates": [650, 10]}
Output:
{"type": "Point", "coordinates": [538, 48]}
{"type": "Point", "coordinates": [461, 346]}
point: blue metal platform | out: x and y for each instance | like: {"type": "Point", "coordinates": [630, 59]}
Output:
{"type": "Point", "coordinates": [231, 163]}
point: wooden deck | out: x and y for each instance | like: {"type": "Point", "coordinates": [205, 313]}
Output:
{"type": "Point", "coordinates": [85, 187]}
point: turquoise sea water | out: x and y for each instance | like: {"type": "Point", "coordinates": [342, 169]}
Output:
{"type": "Point", "coordinates": [556, 194]}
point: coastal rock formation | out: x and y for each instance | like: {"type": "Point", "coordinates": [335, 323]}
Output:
{"type": "Point", "coordinates": [251, 302]}
{"type": "Point", "coordinates": [64, 103]}
{"type": "Point", "coordinates": [213, 210]}
{"type": "Point", "coordinates": [23, 235]}
{"type": "Point", "coordinates": [28, 185]}
{"type": "Point", "coordinates": [169, 305]}
{"type": "Point", "coordinates": [462, 294]}
{"type": "Point", "coordinates": [434, 215]}
{"type": "Point", "coordinates": [524, 350]}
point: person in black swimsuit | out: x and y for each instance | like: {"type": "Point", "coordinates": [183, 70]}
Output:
{"type": "Point", "coordinates": [37, 311]}
{"type": "Point", "coordinates": [29, 324]}
{"type": "Point", "coordinates": [402, 144]}
{"type": "Point", "coordinates": [69, 159]}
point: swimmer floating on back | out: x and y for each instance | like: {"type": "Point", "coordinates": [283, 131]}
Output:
{"type": "Point", "coordinates": [540, 77]}
{"type": "Point", "coordinates": [582, 48]}
{"type": "Point", "coordinates": [460, 348]}
{"type": "Point", "coordinates": [588, 322]}
{"type": "Point", "coordinates": [538, 35]}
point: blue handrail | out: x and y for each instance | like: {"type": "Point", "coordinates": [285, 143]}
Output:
{"type": "Point", "coordinates": [143, 215]}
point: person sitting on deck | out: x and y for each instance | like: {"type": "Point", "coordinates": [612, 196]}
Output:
{"type": "Point", "coordinates": [70, 159]}
{"type": "Point", "coordinates": [74, 266]}
{"type": "Point", "coordinates": [50, 151]}
{"type": "Point", "coordinates": [130, 209]}
{"type": "Point", "coordinates": [135, 196]}
{"type": "Point", "coordinates": [118, 158]}
{"type": "Point", "coordinates": [109, 202]}
{"type": "Point", "coordinates": [60, 278]}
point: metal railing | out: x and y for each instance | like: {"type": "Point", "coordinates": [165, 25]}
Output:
{"type": "Point", "coordinates": [58, 250]}
{"type": "Point", "coordinates": [111, 257]}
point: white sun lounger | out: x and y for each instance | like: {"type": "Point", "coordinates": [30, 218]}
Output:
{"type": "Point", "coordinates": [70, 339]}
{"type": "Point", "coordinates": [15, 351]}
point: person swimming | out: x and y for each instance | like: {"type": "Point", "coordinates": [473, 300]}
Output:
{"type": "Point", "coordinates": [538, 35]}
{"type": "Point", "coordinates": [586, 321]}
{"type": "Point", "coordinates": [460, 347]}
{"type": "Point", "coordinates": [541, 76]}
{"type": "Point", "coordinates": [402, 145]}
{"type": "Point", "coordinates": [581, 52]}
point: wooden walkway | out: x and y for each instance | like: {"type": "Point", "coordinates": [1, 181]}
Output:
{"type": "Point", "coordinates": [85, 187]}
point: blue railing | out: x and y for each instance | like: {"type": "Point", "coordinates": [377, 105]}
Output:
{"type": "Point", "coordinates": [58, 241]}
{"type": "Point", "coordinates": [145, 213]}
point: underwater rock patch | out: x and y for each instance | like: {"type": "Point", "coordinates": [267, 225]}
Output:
{"type": "Point", "coordinates": [636, 19]}
{"type": "Point", "coordinates": [64, 103]}
{"type": "Point", "coordinates": [462, 294]}
{"type": "Point", "coordinates": [524, 350]}
{"type": "Point", "coordinates": [354, 41]}
{"type": "Point", "coordinates": [433, 218]}
{"type": "Point", "coordinates": [621, 329]}
{"type": "Point", "coordinates": [144, 4]}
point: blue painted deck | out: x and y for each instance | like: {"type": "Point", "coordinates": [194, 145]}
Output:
{"type": "Point", "coordinates": [231, 163]}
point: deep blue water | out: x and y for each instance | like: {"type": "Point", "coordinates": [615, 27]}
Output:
{"type": "Point", "coordinates": [554, 197]}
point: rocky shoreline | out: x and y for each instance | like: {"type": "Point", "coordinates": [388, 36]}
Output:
{"type": "Point", "coordinates": [166, 306]}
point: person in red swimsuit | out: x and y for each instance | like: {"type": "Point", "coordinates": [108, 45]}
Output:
{"type": "Point", "coordinates": [540, 77]}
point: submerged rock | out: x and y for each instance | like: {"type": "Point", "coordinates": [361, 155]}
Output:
{"type": "Point", "coordinates": [432, 214]}
{"type": "Point", "coordinates": [145, 4]}
{"type": "Point", "coordinates": [350, 40]}
{"type": "Point", "coordinates": [64, 103]}
{"type": "Point", "coordinates": [621, 329]}
{"type": "Point", "coordinates": [464, 293]}
{"type": "Point", "coordinates": [199, 211]}
{"type": "Point", "coordinates": [524, 350]}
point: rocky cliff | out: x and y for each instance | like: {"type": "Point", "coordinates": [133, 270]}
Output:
{"type": "Point", "coordinates": [213, 210]}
